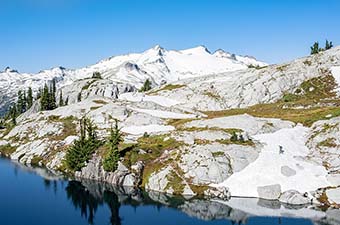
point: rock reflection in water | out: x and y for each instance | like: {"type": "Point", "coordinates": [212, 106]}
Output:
{"type": "Point", "coordinates": [88, 196]}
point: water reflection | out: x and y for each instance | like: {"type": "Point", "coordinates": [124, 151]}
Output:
{"type": "Point", "coordinates": [87, 196]}
{"type": "Point", "coordinates": [91, 201]}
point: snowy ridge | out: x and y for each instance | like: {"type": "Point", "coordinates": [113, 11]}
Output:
{"type": "Point", "coordinates": [157, 64]}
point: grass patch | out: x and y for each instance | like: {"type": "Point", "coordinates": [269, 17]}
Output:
{"type": "Point", "coordinates": [88, 84]}
{"type": "Point", "coordinates": [69, 127]}
{"type": "Point", "coordinates": [171, 87]}
{"type": "Point", "coordinates": [95, 107]}
{"type": "Point", "coordinates": [102, 102]}
{"type": "Point", "coordinates": [329, 142]}
{"type": "Point", "coordinates": [212, 95]}
{"type": "Point", "coordinates": [314, 91]}
{"type": "Point", "coordinates": [35, 161]}
{"type": "Point", "coordinates": [236, 142]}
{"type": "Point", "coordinates": [149, 170]}
{"type": "Point", "coordinates": [7, 150]}
{"type": "Point", "coordinates": [175, 182]}
{"type": "Point", "coordinates": [217, 154]}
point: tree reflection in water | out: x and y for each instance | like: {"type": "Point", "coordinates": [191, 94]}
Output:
{"type": "Point", "coordinates": [88, 203]}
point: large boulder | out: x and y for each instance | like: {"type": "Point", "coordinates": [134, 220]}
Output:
{"type": "Point", "coordinates": [294, 197]}
{"type": "Point", "coordinates": [270, 192]}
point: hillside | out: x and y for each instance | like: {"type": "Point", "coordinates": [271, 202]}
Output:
{"type": "Point", "coordinates": [215, 128]}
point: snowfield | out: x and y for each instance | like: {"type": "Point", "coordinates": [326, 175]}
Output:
{"type": "Point", "coordinates": [290, 169]}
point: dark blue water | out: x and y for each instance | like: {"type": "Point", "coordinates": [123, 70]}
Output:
{"type": "Point", "coordinates": [27, 198]}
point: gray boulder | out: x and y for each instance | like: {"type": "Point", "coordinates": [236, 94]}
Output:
{"type": "Point", "coordinates": [270, 192]}
{"type": "Point", "coordinates": [294, 197]}
{"type": "Point", "coordinates": [287, 171]}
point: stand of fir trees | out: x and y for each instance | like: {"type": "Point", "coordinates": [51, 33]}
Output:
{"type": "Point", "coordinates": [48, 97]}
{"type": "Point", "coordinates": [24, 103]}
{"type": "Point", "coordinates": [111, 158]}
{"type": "Point", "coordinates": [315, 49]}
{"type": "Point", "coordinates": [97, 75]}
{"type": "Point", "coordinates": [82, 149]}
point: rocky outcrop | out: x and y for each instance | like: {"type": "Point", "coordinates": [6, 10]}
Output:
{"type": "Point", "coordinates": [122, 176]}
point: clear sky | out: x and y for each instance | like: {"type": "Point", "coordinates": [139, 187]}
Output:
{"type": "Point", "coordinates": [40, 34]}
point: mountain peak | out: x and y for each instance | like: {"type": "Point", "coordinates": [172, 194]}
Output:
{"type": "Point", "coordinates": [10, 70]}
{"type": "Point", "coordinates": [201, 49]}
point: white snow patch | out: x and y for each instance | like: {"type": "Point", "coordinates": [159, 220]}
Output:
{"type": "Point", "coordinates": [164, 114]}
{"type": "Point", "coordinates": [266, 170]}
{"type": "Point", "coordinates": [336, 74]}
{"type": "Point", "coordinates": [140, 97]}
{"type": "Point", "coordinates": [153, 128]}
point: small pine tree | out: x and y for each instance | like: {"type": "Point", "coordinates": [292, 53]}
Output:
{"type": "Point", "coordinates": [61, 101]}
{"type": "Point", "coordinates": [96, 75]}
{"type": "Point", "coordinates": [241, 138]}
{"type": "Point", "coordinates": [234, 137]}
{"type": "Point", "coordinates": [79, 97]}
{"type": "Point", "coordinates": [111, 159]}
{"type": "Point", "coordinates": [328, 45]}
{"type": "Point", "coordinates": [13, 114]}
{"type": "Point", "coordinates": [2, 123]}
{"type": "Point", "coordinates": [21, 103]}
{"type": "Point", "coordinates": [44, 98]}
{"type": "Point", "coordinates": [315, 48]}
{"type": "Point", "coordinates": [146, 86]}
{"type": "Point", "coordinates": [66, 101]}
{"type": "Point", "coordinates": [29, 98]}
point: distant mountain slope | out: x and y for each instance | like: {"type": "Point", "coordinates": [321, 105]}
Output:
{"type": "Point", "coordinates": [157, 64]}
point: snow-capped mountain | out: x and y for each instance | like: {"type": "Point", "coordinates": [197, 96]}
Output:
{"type": "Point", "coordinates": [157, 64]}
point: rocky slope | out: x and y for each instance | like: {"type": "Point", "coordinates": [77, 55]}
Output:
{"type": "Point", "coordinates": [285, 117]}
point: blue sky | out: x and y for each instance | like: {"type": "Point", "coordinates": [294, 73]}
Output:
{"type": "Point", "coordinates": [40, 34]}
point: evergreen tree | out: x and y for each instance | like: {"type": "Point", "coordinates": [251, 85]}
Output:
{"type": "Point", "coordinates": [111, 159]}
{"type": "Point", "coordinates": [241, 138]}
{"type": "Point", "coordinates": [66, 101]}
{"type": "Point", "coordinates": [328, 45]}
{"type": "Point", "coordinates": [29, 98]}
{"type": "Point", "coordinates": [146, 86]}
{"type": "Point", "coordinates": [315, 48]}
{"type": "Point", "coordinates": [82, 149]}
{"type": "Point", "coordinates": [234, 137]}
{"type": "Point", "coordinates": [2, 123]}
{"type": "Point", "coordinates": [44, 98]}
{"type": "Point", "coordinates": [51, 96]}
{"type": "Point", "coordinates": [61, 101]}
{"type": "Point", "coordinates": [21, 104]}
{"type": "Point", "coordinates": [96, 75]}
{"type": "Point", "coordinates": [79, 97]}
{"type": "Point", "coordinates": [13, 114]}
